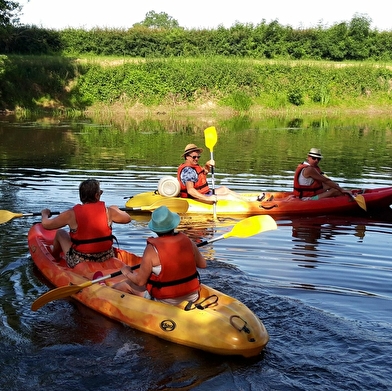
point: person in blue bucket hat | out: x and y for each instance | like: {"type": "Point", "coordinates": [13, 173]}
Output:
{"type": "Point", "coordinates": [168, 269]}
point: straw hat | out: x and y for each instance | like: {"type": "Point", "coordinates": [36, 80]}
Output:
{"type": "Point", "coordinates": [315, 153]}
{"type": "Point", "coordinates": [162, 220]}
{"type": "Point", "coordinates": [191, 148]}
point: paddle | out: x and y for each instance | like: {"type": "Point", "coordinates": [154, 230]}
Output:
{"type": "Point", "coordinates": [211, 137]}
{"type": "Point", "coordinates": [175, 205]}
{"type": "Point", "coordinates": [360, 200]}
{"type": "Point", "coordinates": [243, 229]}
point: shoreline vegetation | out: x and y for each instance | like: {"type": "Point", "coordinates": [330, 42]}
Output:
{"type": "Point", "coordinates": [217, 86]}
{"type": "Point", "coordinates": [165, 70]}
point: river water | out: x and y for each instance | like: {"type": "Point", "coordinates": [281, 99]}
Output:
{"type": "Point", "coordinates": [321, 285]}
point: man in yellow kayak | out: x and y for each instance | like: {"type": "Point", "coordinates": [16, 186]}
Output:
{"type": "Point", "coordinates": [168, 269]}
{"type": "Point", "coordinates": [193, 179]}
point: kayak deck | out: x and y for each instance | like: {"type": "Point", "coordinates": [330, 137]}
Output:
{"type": "Point", "coordinates": [216, 323]}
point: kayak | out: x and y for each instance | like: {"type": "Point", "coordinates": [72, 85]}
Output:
{"type": "Point", "coordinates": [216, 323]}
{"type": "Point", "coordinates": [279, 204]}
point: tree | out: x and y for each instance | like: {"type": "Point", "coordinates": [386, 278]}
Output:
{"type": "Point", "coordinates": [154, 20]}
{"type": "Point", "coordinates": [9, 12]}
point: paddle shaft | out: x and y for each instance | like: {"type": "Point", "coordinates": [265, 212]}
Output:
{"type": "Point", "coordinates": [174, 205]}
{"type": "Point", "coordinates": [210, 141]}
{"type": "Point", "coordinates": [57, 213]}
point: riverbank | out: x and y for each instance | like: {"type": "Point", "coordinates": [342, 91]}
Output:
{"type": "Point", "coordinates": [183, 87]}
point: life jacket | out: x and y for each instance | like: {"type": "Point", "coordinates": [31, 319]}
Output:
{"type": "Point", "coordinates": [302, 190]}
{"type": "Point", "coordinates": [93, 234]}
{"type": "Point", "coordinates": [179, 275]}
{"type": "Point", "coordinates": [201, 185]}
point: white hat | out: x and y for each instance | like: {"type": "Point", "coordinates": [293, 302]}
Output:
{"type": "Point", "coordinates": [315, 153]}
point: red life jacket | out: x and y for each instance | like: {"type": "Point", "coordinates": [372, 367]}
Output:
{"type": "Point", "coordinates": [179, 275]}
{"type": "Point", "coordinates": [201, 185]}
{"type": "Point", "coordinates": [302, 190]}
{"type": "Point", "coordinates": [93, 234]}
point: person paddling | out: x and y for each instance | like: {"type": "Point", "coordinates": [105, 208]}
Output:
{"type": "Point", "coordinates": [193, 179]}
{"type": "Point", "coordinates": [168, 269]}
{"type": "Point", "coordinates": [90, 227]}
{"type": "Point", "coordinates": [311, 184]}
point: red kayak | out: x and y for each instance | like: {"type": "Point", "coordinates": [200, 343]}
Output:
{"type": "Point", "coordinates": [279, 204]}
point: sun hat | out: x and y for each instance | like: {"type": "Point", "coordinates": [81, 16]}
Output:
{"type": "Point", "coordinates": [315, 153]}
{"type": "Point", "coordinates": [163, 220]}
{"type": "Point", "coordinates": [191, 148]}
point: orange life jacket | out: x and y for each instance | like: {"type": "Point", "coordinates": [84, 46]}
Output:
{"type": "Point", "coordinates": [179, 275]}
{"type": "Point", "coordinates": [201, 185]}
{"type": "Point", "coordinates": [302, 190]}
{"type": "Point", "coordinates": [93, 234]}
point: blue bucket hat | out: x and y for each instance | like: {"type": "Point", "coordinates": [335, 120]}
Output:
{"type": "Point", "coordinates": [162, 220]}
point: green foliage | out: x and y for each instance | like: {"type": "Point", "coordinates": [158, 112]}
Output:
{"type": "Point", "coordinates": [29, 82]}
{"type": "Point", "coordinates": [239, 101]}
{"type": "Point", "coordinates": [295, 97]}
{"type": "Point", "coordinates": [160, 36]}
{"type": "Point", "coordinates": [158, 21]}
{"type": "Point", "coordinates": [29, 40]}
{"type": "Point", "coordinates": [49, 81]}
{"type": "Point", "coordinates": [9, 13]}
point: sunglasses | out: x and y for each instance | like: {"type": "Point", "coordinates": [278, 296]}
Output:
{"type": "Point", "coordinates": [195, 156]}
{"type": "Point", "coordinates": [316, 158]}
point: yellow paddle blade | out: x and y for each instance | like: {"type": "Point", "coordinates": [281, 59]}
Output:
{"type": "Point", "coordinates": [210, 137]}
{"type": "Point", "coordinates": [360, 199]}
{"type": "Point", "coordinates": [252, 226]}
{"type": "Point", "coordinates": [6, 215]}
{"type": "Point", "coordinates": [58, 293]}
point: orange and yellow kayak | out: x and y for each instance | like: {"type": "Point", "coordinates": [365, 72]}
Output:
{"type": "Point", "coordinates": [278, 204]}
{"type": "Point", "coordinates": [216, 323]}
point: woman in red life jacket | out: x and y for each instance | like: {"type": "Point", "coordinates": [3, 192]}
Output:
{"type": "Point", "coordinates": [193, 179]}
{"type": "Point", "coordinates": [168, 269]}
{"type": "Point", "coordinates": [90, 227]}
{"type": "Point", "coordinates": [310, 183]}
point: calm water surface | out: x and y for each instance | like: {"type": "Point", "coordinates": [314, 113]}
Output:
{"type": "Point", "coordinates": [321, 285]}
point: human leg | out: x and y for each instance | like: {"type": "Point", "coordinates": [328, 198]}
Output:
{"type": "Point", "coordinates": [61, 243]}
{"type": "Point", "coordinates": [329, 193]}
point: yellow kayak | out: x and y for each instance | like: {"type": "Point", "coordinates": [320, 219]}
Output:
{"type": "Point", "coordinates": [216, 323]}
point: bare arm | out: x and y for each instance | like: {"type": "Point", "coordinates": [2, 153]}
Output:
{"type": "Point", "coordinates": [63, 219]}
{"type": "Point", "coordinates": [328, 183]}
{"type": "Point", "coordinates": [190, 188]}
{"type": "Point", "coordinates": [116, 215]}
{"type": "Point", "coordinates": [149, 259]}
{"type": "Point", "coordinates": [200, 260]}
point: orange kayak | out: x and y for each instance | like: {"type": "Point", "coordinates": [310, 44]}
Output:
{"type": "Point", "coordinates": [278, 204]}
{"type": "Point", "coordinates": [217, 323]}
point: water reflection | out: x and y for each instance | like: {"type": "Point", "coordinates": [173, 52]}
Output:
{"type": "Point", "coordinates": [320, 284]}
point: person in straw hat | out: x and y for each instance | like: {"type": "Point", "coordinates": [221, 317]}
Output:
{"type": "Point", "coordinates": [168, 269]}
{"type": "Point", "coordinates": [309, 181]}
{"type": "Point", "coordinates": [193, 179]}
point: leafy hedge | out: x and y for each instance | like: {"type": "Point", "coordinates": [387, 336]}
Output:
{"type": "Point", "coordinates": [352, 40]}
